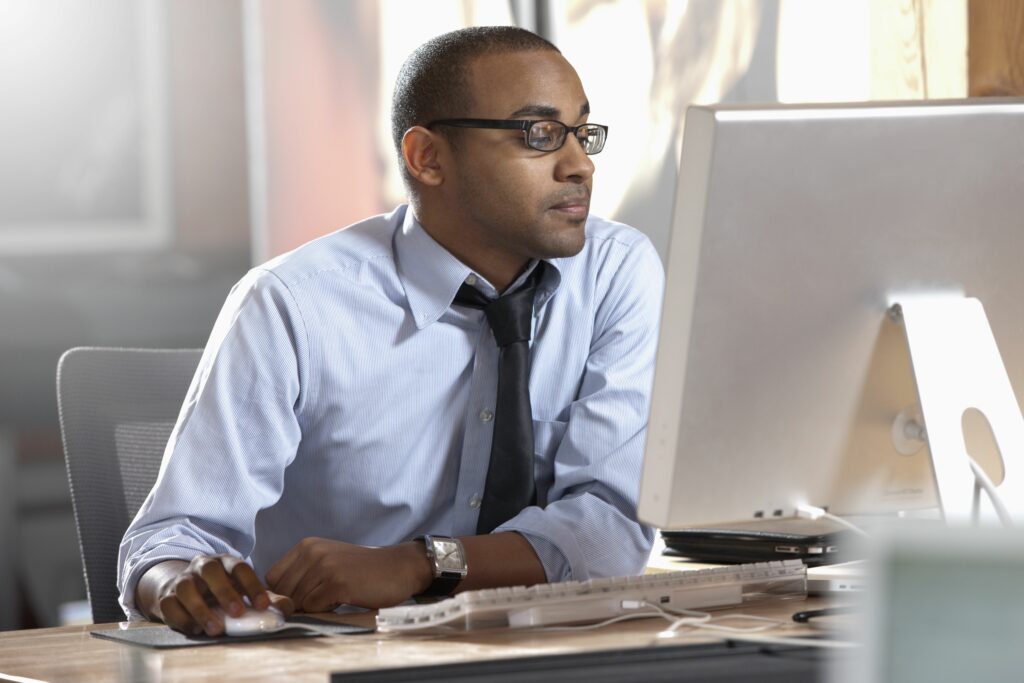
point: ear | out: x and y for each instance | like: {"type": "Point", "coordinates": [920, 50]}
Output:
{"type": "Point", "coordinates": [420, 148]}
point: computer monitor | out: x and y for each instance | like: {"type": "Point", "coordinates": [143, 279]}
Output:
{"type": "Point", "coordinates": [783, 374]}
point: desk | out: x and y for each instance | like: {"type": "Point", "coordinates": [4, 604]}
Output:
{"type": "Point", "coordinates": [71, 654]}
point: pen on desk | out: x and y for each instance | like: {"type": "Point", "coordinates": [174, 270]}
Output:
{"type": "Point", "coordinates": [804, 617]}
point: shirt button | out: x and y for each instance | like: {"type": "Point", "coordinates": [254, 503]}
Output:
{"type": "Point", "coordinates": [486, 415]}
{"type": "Point", "coordinates": [474, 501]}
{"type": "Point", "coordinates": [471, 279]}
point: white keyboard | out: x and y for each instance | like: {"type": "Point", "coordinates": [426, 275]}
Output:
{"type": "Point", "coordinates": [599, 599]}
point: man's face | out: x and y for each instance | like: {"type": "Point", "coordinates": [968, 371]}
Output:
{"type": "Point", "coordinates": [520, 202]}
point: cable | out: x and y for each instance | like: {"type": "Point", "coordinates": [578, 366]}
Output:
{"type": "Point", "coordinates": [981, 480]}
{"type": "Point", "coordinates": [324, 631]}
{"type": "Point", "coordinates": [752, 634]}
{"type": "Point", "coordinates": [812, 512]}
{"type": "Point", "coordinates": [703, 621]}
{"type": "Point", "coordinates": [606, 622]}
{"type": "Point", "coordinates": [690, 618]}
{"type": "Point", "coordinates": [714, 625]}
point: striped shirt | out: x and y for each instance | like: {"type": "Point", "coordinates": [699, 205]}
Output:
{"type": "Point", "coordinates": [342, 396]}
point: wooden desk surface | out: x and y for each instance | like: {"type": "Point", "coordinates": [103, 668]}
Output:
{"type": "Point", "coordinates": [71, 654]}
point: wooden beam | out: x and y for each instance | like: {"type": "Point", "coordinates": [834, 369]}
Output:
{"type": "Point", "coordinates": [995, 47]}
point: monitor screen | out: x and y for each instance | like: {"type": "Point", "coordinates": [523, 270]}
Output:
{"type": "Point", "coordinates": [781, 378]}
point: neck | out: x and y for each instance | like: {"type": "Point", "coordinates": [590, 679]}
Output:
{"type": "Point", "coordinates": [498, 266]}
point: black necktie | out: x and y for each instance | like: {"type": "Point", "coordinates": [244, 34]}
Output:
{"type": "Point", "coordinates": [509, 487]}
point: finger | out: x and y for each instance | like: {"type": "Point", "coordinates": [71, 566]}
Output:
{"type": "Point", "coordinates": [321, 599]}
{"type": "Point", "coordinates": [283, 603]}
{"type": "Point", "coordinates": [193, 600]}
{"type": "Point", "coordinates": [216, 578]}
{"type": "Point", "coordinates": [244, 576]}
{"type": "Point", "coordinates": [177, 617]}
{"type": "Point", "coordinates": [312, 580]}
{"type": "Point", "coordinates": [287, 584]}
{"type": "Point", "coordinates": [292, 574]}
{"type": "Point", "coordinates": [282, 566]}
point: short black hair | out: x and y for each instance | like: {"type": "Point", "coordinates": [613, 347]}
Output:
{"type": "Point", "coordinates": [433, 83]}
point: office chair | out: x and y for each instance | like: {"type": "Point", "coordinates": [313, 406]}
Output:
{"type": "Point", "coordinates": [117, 408]}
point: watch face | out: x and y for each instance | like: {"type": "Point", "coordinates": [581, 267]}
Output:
{"type": "Point", "coordinates": [448, 555]}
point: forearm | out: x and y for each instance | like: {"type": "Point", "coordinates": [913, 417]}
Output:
{"type": "Point", "coordinates": [502, 559]}
{"type": "Point", "coordinates": [493, 560]}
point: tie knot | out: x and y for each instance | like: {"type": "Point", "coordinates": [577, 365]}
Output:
{"type": "Point", "coordinates": [509, 316]}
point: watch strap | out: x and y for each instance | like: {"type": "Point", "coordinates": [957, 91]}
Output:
{"type": "Point", "coordinates": [443, 585]}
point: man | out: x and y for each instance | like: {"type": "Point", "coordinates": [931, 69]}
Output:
{"type": "Point", "coordinates": [353, 396]}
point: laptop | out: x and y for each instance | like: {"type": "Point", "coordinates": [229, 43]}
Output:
{"type": "Point", "coordinates": [846, 577]}
{"type": "Point", "coordinates": [816, 542]}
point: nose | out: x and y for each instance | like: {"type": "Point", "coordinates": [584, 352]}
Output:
{"type": "Point", "coordinates": [574, 165]}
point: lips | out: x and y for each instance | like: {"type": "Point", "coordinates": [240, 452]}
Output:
{"type": "Point", "coordinates": [574, 206]}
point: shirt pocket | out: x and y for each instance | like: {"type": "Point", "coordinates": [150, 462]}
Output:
{"type": "Point", "coordinates": [547, 437]}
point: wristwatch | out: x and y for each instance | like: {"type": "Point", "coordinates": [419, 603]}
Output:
{"type": "Point", "coordinates": [449, 563]}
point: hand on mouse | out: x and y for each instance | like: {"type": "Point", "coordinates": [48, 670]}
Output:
{"type": "Point", "coordinates": [319, 574]}
{"type": "Point", "coordinates": [184, 595]}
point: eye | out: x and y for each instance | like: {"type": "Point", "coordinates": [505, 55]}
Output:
{"type": "Point", "coordinates": [546, 135]}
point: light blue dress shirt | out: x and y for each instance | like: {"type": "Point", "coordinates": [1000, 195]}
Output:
{"type": "Point", "coordinates": [340, 395]}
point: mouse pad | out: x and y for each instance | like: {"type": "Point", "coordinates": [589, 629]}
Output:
{"type": "Point", "coordinates": [163, 637]}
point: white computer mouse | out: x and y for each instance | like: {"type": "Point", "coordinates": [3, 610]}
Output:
{"type": "Point", "coordinates": [253, 621]}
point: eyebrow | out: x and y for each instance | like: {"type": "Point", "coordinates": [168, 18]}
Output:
{"type": "Point", "coordinates": [545, 111]}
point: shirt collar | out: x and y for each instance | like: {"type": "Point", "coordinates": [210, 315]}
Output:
{"type": "Point", "coordinates": [431, 275]}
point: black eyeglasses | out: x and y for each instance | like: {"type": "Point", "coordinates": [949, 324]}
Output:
{"type": "Point", "coordinates": [545, 136]}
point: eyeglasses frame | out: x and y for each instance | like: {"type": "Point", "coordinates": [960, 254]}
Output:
{"type": "Point", "coordinates": [517, 124]}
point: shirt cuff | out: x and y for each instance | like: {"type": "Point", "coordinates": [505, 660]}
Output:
{"type": "Point", "coordinates": [137, 567]}
{"type": "Point", "coordinates": [556, 547]}
{"type": "Point", "coordinates": [556, 567]}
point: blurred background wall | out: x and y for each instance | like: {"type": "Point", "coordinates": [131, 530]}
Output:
{"type": "Point", "coordinates": [152, 151]}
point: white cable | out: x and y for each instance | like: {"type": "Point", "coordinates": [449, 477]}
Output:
{"type": "Point", "coordinates": [600, 624]}
{"type": "Point", "coordinates": [690, 615]}
{"type": "Point", "coordinates": [716, 625]}
{"type": "Point", "coordinates": [659, 611]}
{"type": "Point", "coordinates": [982, 479]}
{"type": "Point", "coordinates": [812, 512]}
{"type": "Point", "coordinates": [704, 621]}
{"type": "Point", "coordinates": [319, 630]}
{"type": "Point", "coordinates": [751, 634]}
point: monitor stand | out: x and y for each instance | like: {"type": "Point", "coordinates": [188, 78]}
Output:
{"type": "Point", "coordinates": [957, 367]}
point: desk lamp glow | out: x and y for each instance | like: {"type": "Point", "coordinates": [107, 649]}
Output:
{"type": "Point", "coordinates": [837, 279]}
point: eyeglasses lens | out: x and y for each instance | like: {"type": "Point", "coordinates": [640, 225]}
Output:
{"type": "Point", "coordinates": [546, 136]}
{"type": "Point", "coordinates": [592, 138]}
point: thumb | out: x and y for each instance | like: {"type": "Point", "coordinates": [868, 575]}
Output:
{"type": "Point", "coordinates": [282, 602]}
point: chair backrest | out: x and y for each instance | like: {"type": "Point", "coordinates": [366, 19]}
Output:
{"type": "Point", "coordinates": [117, 408]}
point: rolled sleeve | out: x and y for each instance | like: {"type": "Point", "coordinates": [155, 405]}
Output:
{"type": "Point", "coordinates": [178, 542]}
{"type": "Point", "coordinates": [236, 433]}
